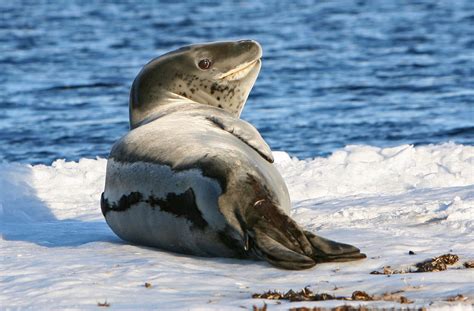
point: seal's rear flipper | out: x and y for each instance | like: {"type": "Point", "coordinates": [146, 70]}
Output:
{"type": "Point", "coordinates": [279, 255]}
{"type": "Point", "coordinates": [330, 251]}
{"type": "Point", "coordinates": [277, 238]}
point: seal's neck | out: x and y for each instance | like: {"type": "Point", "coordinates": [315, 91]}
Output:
{"type": "Point", "coordinates": [165, 103]}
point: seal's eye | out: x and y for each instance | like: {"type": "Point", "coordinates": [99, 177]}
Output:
{"type": "Point", "coordinates": [204, 64]}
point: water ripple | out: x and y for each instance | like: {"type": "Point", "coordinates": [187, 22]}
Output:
{"type": "Point", "coordinates": [334, 72]}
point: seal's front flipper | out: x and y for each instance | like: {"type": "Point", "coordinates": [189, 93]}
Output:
{"type": "Point", "coordinates": [245, 132]}
{"type": "Point", "coordinates": [329, 251]}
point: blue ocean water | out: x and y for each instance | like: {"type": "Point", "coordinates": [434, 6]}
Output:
{"type": "Point", "coordinates": [334, 72]}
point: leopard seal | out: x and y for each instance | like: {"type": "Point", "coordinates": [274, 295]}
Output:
{"type": "Point", "coordinates": [191, 177]}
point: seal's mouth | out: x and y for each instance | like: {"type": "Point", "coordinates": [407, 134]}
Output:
{"type": "Point", "coordinates": [240, 71]}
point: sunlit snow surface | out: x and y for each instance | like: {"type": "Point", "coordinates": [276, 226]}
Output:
{"type": "Point", "coordinates": [57, 252]}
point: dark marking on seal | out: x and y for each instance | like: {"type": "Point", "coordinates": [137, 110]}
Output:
{"type": "Point", "coordinates": [122, 204]}
{"type": "Point", "coordinates": [212, 167]}
{"type": "Point", "coordinates": [214, 87]}
{"type": "Point", "coordinates": [180, 205]}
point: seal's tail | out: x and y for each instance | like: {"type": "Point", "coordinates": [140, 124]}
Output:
{"type": "Point", "coordinates": [277, 238]}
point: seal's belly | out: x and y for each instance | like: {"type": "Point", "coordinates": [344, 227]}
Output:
{"type": "Point", "coordinates": [150, 204]}
{"type": "Point", "coordinates": [145, 225]}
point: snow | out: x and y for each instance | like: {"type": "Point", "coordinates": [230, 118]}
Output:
{"type": "Point", "coordinates": [56, 251]}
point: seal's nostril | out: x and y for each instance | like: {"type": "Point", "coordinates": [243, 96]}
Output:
{"type": "Point", "coordinates": [247, 44]}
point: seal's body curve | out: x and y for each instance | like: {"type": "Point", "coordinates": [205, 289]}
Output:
{"type": "Point", "coordinates": [172, 192]}
{"type": "Point", "coordinates": [191, 177]}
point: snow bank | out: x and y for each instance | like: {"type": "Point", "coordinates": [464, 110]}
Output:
{"type": "Point", "coordinates": [57, 252]}
{"type": "Point", "coordinates": [60, 191]}
{"type": "Point", "coordinates": [364, 170]}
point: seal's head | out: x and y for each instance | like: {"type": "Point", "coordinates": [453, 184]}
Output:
{"type": "Point", "coordinates": [219, 74]}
